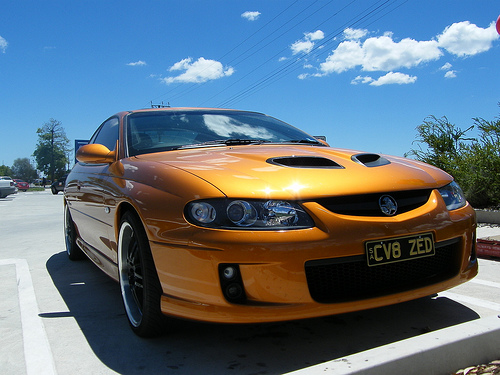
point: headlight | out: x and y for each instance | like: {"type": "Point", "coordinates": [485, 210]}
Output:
{"type": "Point", "coordinates": [247, 214]}
{"type": "Point", "coordinates": [202, 212]}
{"type": "Point", "coordinates": [453, 196]}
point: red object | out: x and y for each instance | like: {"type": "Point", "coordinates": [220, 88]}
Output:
{"type": "Point", "coordinates": [498, 24]}
{"type": "Point", "coordinates": [488, 248]}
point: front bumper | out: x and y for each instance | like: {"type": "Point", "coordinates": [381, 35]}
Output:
{"type": "Point", "coordinates": [276, 266]}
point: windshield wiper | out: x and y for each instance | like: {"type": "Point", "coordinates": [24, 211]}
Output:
{"type": "Point", "coordinates": [236, 141]}
{"type": "Point", "coordinates": [226, 142]}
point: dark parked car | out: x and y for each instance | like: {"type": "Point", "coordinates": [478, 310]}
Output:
{"type": "Point", "coordinates": [58, 185]}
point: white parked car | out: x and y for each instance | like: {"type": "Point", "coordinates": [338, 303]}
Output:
{"type": "Point", "coordinates": [7, 186]}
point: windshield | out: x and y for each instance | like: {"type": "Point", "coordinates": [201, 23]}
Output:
{"type": "Point", "coordinates": [157, 131]}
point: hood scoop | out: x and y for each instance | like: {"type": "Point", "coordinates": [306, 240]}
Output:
{"type": "Point", "coordinates": [304, 162]}
{"type": "Point", "coordinates": [370, 160]}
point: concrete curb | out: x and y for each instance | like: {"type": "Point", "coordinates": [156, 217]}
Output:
{"type": "Point", "coordinates": [488, 216]}
{"type": "Point", "coordinates": [439, 352]}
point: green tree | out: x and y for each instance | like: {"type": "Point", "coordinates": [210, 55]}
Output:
{"type": "Point", "coordinates": [444, 141]}
{"type": "Point", "coordinates": [23, 170]}
{"type": "Point", "coordinates": [473, 162]}
{"type": "Point", "coordinates": [51, 150]}
{"type": "Point", "coordinates": [5, 171]}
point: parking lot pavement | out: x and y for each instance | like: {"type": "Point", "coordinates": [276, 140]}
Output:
{"type": "Point", "coordinates": [63, 317]}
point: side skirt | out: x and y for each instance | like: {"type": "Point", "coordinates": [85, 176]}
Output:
{"type": "Point", "coordinates": [99, 259]}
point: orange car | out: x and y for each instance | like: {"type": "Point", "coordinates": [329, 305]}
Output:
{"type": "Point", "coordinates": [234, 216]}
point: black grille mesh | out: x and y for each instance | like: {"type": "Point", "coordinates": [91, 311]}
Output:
{"type": "Point", "coordinates": [330, 281]}
{"type": "Point", "coordinates": [368, 204]}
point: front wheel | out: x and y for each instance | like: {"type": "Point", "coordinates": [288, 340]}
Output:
{"type": "Point", "coordinates": [140, 287]}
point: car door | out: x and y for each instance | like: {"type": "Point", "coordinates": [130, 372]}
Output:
{"type": "Point", "coordinates": [86, 194]}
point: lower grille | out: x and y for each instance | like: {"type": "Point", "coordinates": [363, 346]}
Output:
{"type": "Point", "coordinates": [350, 279]}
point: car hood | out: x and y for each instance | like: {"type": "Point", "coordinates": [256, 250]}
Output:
{"type": "Point", "coordinates": [300, 172]}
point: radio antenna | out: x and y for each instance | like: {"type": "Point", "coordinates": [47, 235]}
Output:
{"type": "Point", "coordinates": [160, 105]}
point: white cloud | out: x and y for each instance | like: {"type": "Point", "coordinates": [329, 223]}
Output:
{"type": "Point", "coordinates": [466, 39]}
{"type": "Point", "coordinates": [387, 54]}
{"type": "Point", "coordinates": [354, 34]}
{"type": "Point", "coordinates": [360, 79]}
{"type": "Point", "coordinates": [390, 78]}
{"type": "Point", "coordinates": [446, 66]}
{"type": "Point", "coordinates": [450, 74]}
{"type": "Point", "coordinates": [347, 55]}
{"type": "Point", "coordinates": [199, 71]}
{"type": "Point", "coordinates": [251, 16]}
{"type": "Point", "coordinates": [306, 44]}
{"type": "Point", "coordinates": [137, 63]}
{"type": "Point", "coordinates": [3, 44]}
{"type": "Point", "coordinates": [380, 54]}
{"type": "Point", "coordinates": [302, 46]}
{"type": "Point", "coordinates": [383, 54]}
{"type": "Point", "coordinates": [317, 35]}
{"type": "Point", "coordinates": [394, 78]}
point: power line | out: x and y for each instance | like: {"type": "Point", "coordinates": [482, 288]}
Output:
{"type": "Point", "coordinates": [279, 73]}
{"type": "Point", "coordinates": [281, 51]}
{"type": "Point", "coordinates": [194, 86]}
{"type": "Point", "coordinates": [367, 14]}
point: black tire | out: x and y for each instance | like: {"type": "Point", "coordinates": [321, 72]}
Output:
{"type": "Point", "coordinates": [54, 190]}
{"type": "Point", "coordinates": [140, 287]}
{"type": "Point", "coordinates": [72, 249]}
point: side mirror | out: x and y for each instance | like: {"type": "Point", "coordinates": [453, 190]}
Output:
{"type": "Point", "coordinates": [95, 154]}
{"type": "Point", "coordinates": [322, 139]}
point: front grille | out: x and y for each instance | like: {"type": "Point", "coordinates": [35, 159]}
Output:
{"type": "Point", "coordinates": [350, 279]}
{"type": "Point", "coordinates": [368, 204]}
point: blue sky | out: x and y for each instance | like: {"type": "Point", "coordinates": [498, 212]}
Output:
{"type": "Point", "coordinates": [363, 73]}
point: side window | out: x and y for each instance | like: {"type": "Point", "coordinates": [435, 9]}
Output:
{"type": "Point", "coordinates": [107, 134]}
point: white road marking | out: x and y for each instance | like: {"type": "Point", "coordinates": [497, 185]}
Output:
{"type": "Point", "coordinates": [473, 301]}
{"type": "Point", "coordinates": [37, 353]}
{"type": "Point", "coordinates": [485, 282]}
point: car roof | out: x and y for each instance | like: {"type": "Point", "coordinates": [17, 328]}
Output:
{"type": "Point", "coordinates": [186, 109]}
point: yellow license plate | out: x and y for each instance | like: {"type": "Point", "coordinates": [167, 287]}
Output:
{"type": "Point", "coordinates": [379, 252]}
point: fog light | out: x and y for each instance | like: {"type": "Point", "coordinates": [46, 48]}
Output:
{"type": "Point", "coordinates": [234, 291]}
{"type": "Point", "coordinates": [231, 283]}
{"type": "Point", "coordinates": [229, 272]}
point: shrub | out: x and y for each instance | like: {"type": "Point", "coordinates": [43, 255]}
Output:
{"type": "Point", "coordinates": [474, 163]}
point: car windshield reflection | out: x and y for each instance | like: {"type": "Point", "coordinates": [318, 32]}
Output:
{"type": "Point", "coordinates": [160, 131]}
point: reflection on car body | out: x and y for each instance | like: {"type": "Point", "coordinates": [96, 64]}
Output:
{"type": "Point", "coordinates": [58, 185]}
{"type": "Point", "coordinates": [234, 216]}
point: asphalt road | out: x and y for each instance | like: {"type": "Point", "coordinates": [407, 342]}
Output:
{"type": "Point", "coordinates": [63, 317]}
